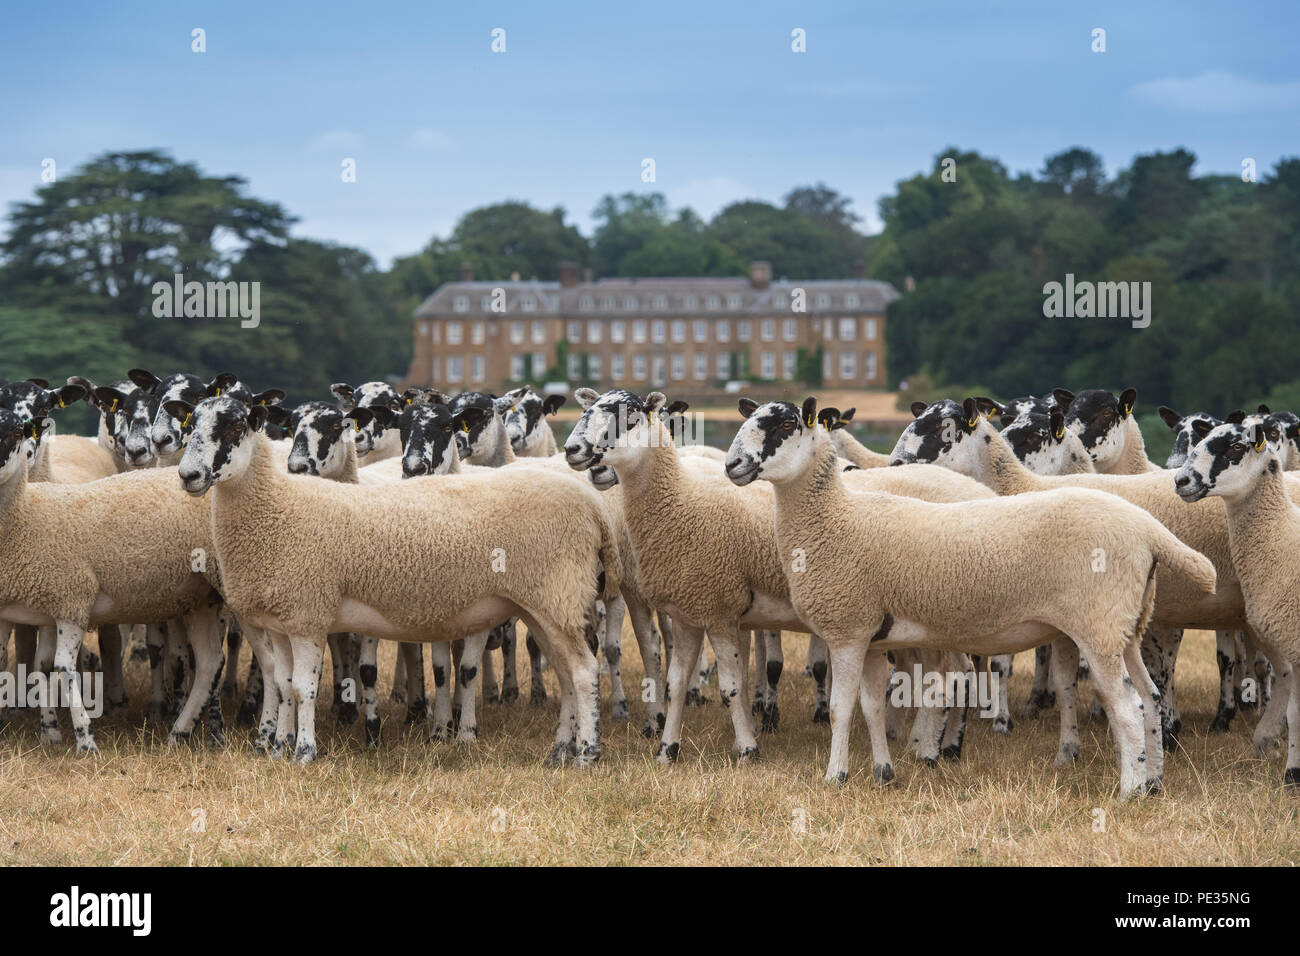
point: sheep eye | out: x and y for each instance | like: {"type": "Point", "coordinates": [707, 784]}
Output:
{"type": "Point", "coordinates": [787, 426]}
{"type": "Point", "coordinates": [446, 428]}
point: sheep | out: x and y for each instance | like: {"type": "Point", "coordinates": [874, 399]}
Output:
{"type": "Point", "coordinates": [525, 421]}
{"type": "Point", "coordinates": [338, 557]}
{"type": "Point", "coordinates": [957, 436]}
{"type": "Point", "coordinates": [704, 549]}
{"type": "Point", "coordinates": [900, 603]}
{"type": "Point", "coordinates": [109, 552]}
{"type": "Point", "coordinates": [1240, 465]}
{"type": "Point", "coordinates": [375, 441]}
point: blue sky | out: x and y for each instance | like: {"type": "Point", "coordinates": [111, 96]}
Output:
{"type": "Point", "coordinates": [438, 124]}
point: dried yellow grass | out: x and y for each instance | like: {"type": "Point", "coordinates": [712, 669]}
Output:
{"type": "Point", "coordinates": [418, 803]}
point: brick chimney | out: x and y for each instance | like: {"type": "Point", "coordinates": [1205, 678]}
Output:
{"type": "Point", "coordinates": [760, 274]}
{"type": "Point", "coordinates": [466, 272]}
{"type": "Point", "coordinates": [859, 268]}
{"type": "Point", "coordinates": [568, 274]}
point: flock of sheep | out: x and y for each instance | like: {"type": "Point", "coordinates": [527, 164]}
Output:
{"type": "Point", "coordinates": [207, 514]}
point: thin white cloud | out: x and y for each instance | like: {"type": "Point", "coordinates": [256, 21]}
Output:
{"type": "Point", "coordinates": [1218, 91]}
{"type": "Point", "coordinates": [430, 139]}
{"type": "Point", "coordinates": [335, 141]}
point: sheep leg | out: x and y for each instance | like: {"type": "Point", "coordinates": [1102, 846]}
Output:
{"type": "Point", "coordinates": [1150, 702]}
{"type": "Point", "coordinates": [509, 662]}
{"type": "Point", "coordinates": [759, 653]}
{"type": "Point", "coordinates": [417, 707]}
{"type": "Point", "coordinates": [1124, 711]}
{"type": "Point", "coordinates": [819, 661]}
{"type": "Point", "coordinates": [955, 728]}
{"type": "Point", "coordinates": [537, 687]}
{"type": "Point", "coordinates": [732, 679]}
{"type": "Point", "coordinates": [398, 693]}
{"type": "Point", "coordinates": [928, 728]}
{"type": "Point", "coordinates": [1064, 664]}
{"type": "Point", "coordinates": [647, 639]}
{"type": "Point", "coordinates": [337, 671]}
{"type": "Point", "coordinates": [110, 648]}
{"type": "Point", "coordinates": [347, 713]}
{"type": "Point", "coordinates": [491, 695]}
{"type": "Point", "coordinates": [1268, 732]}
{"type": "Point", "coordinates": [155, 640]}
{"type": "Point", "coordinates": [701, 679]}
{"type": "Point", "coordinates": [1041, 695]}
{"type": "Point", "coordinates": [576, 666]}
{"type": "Point", "coordinates": [1291, 778]}
{"type": "Point", "coordinates": [234, 643]}
{"type": "Point", "coordinates": [1226, 656]}
{"type": "Point", "coordinates": [264, 660]}
{"type": "Point", "coordinates": [1160, 653]}
{"type": "Point", "coordinates": [686, 651]}
{"type": "Point", "coordinates": [282, 674]}
{"type": "Point", "coordinates": [773, 665]}
{"type": "Point", "coordinates": [308, 658]}
{"type": "Point", "coordinates": [68, 645]}
{"type": "Point", "coordinates": [847, 658]}
{"type": "Point", "coordinates": [174, 653]}
{"type": "Point", "coordinates": [467, 678]}
{"type": "Point", "coordinates": [43, 663]}
{"type": "Point", "coordinates": [253, 691]}
{"type": "Point", "coordinates": [205, 638]}
{"type": "Point", "coordinates": [5, 629]}
{"type": "Point", "coordinates": [440, 658]}
{"type": "Point", "coordinates": [872, 693]}
{"type": "Point", "coordinates": [611, 649]}
{"type": "Point", "coordinates": [1244, 665]}
{"type": "Point", "coordinates": [368, 671]}
{"type": "Point", "coordinates": [1001, 665]}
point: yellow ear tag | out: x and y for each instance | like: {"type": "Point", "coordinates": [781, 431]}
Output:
{"type": "Point", "coordinates": [973, 422]}
{"type": "Point", "coordinates": [113, 407]}
{"type": "Point", "coordinates": [218, 392]}
{"type": "Point", "coordinates": [186, 423]}
{"type": "Point", "coordinates": [464, 426]}
{"type": "Point", "coordinates": [61, 405]}
{"type": "Point", "coordinates": [1126, 409]}
{"type": "Point", "coordinates": [408, 401]}
{"type": "Point", "coordinates": [356, 426]}
{"type": "Point", "coordinates": [1059, 433]}
{"type": "Point", "coordinates": [1259, 445]}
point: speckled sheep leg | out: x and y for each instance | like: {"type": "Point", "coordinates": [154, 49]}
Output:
{"type": "Point", "coordinates": [308, 657]}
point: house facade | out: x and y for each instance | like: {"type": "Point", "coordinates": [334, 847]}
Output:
{"type": "Point", "coordinates": [687, 334]}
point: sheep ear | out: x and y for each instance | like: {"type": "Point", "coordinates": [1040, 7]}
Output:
{"type": "Point", "coordinates": [272, 396]}
{"type": "Point", "coordinates": [361, 417]}
{"type": "Point", "coordinates": [551, 404]}
{"type": "Point", "coordinates": [1127, 399]}
{"type": "Point", "coordinates": [1169, 416]}
{"type": "Point", "coordinates": [222, 383]}
{"type": "Point", "coordinates": [183, 412]}
{"type": "Point", "coordinates": [383, 415]}
{"type": "Point", "coordinates": [847, 414]}
{"type": "Point", "coordinates": [1235, 417]}
{"type": "Point", "coordinates": [676, 407]}
{"type": "Point", "coordinates": [108, 399]}
{"type": "Point", "coordinates": [654, 401]}
{"type": "Point", "coordinates": [809, 411]}
{"type": "Point", "coordinates": [1063, 396]}
{"type": "Point", "coordinates": [257, 417]}
{"type": "Point", "coordinates": [41, 382]}
{"type": "Point", "coordinates": [972, 414]}
{"type": "Point", "coordinates": [85, 383]}
{"type": "Point", "coordinates": [470, 417]}
{"type": "Point", "coordinates": [1263, 410]}
{"type": "Point", "coordinates": [502, 405]}
{"type": "Point", "coordinates": [918, 409]}
{"type": "Point", "coordinates": [1272, 432]}
{"type": "Point", "coordinates": [747, 407]}
{"type": "Point", "coordinates": [1056, 425]}
{"type": "Point", "coordinates": [829, 418]}
{"type": "Point", "coordinates": [35, 427]}
{"type": "Point", "coordinates": [343, 392]}
{"type": "Point", "coordinates": [1201, 428]}
{"type": "Point", "coordinates": [987, 407]}
{"type": "Point", "coordinates": [65, 395]}
{"type": "Point", "coordinates": [144, 378]}
{"type": "Point", "coordinates": [277, 416]}
{"type": "Point", "coordinates": [586, 397]}
{"type": "Point", "coordinates": [1257, 437]}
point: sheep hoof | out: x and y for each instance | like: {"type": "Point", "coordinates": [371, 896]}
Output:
{"type": "Point", "coordinates": [440, 732]}
{"type": "Point", "coordinates": [491, 697]}
{"type": "Point", "coordinates": [1002, 725]}
{"type": "Point", "coordinates": [839, 778]}
{"type": "Point", "coordinates": [1291, 779]}
{"type": "Point", "coordinates": [1170, 737]}
{"type": "Point", "coordinates": [372, 731]}
{"type": "Point", "coordinates": [588, 754]}
{"type": "Point", "coordinates": [668, 753]}
{"type": "Point", "coordinates": [509, 695]}
{"type": "Point", "coordinates": [467, 735]}
{"type": "Point", "coordinates": [648, 730]}
{"type": "Point", "coordinates": [559, 755]}
{"type": "Point", "coordinates": [748, 755]}
{"type": "Point", "coordinates": [1068, 754]}
{"type": "Point", "coordinates": [51, 736]}
{"type": "Point", "coordinates": [176, 736]}
{"type": "Point", "coordinates": [618, 710]}
{"type": "Point", "coordinates": [87, 748]}
{"type": "Point", "coordinates": [1222, 722]}
{"type": "Point", "coordinates": [537, 696]}
{"type": "Point", "coordinates": [757, 708]}
{"type": "Point", "coordinates": [951, 752]}
{"type": "Point", "coordinates": [348, 714]}
{"type": "Point", "coordinates": [262, 747]}
{"type": "Point", "coordinates": [695, 697]}
{"type": "Point", "coordinates": [305, 754]}
{"type": "Point", "coordinates": [822, 715]}
{"type": "Point", "coordinates": [1155, 786]}
{"type": "Point", "coordinates": [882, 773]}
{"type": "Point", "coordinates": [930, 761]}
{"type": "Point", "coordinates": [771, 718]}
{"type": "Point", "coordinates": [416, 711]}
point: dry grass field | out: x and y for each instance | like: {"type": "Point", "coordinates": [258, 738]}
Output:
{"type": "Point", "coordinates": [413, 802]}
